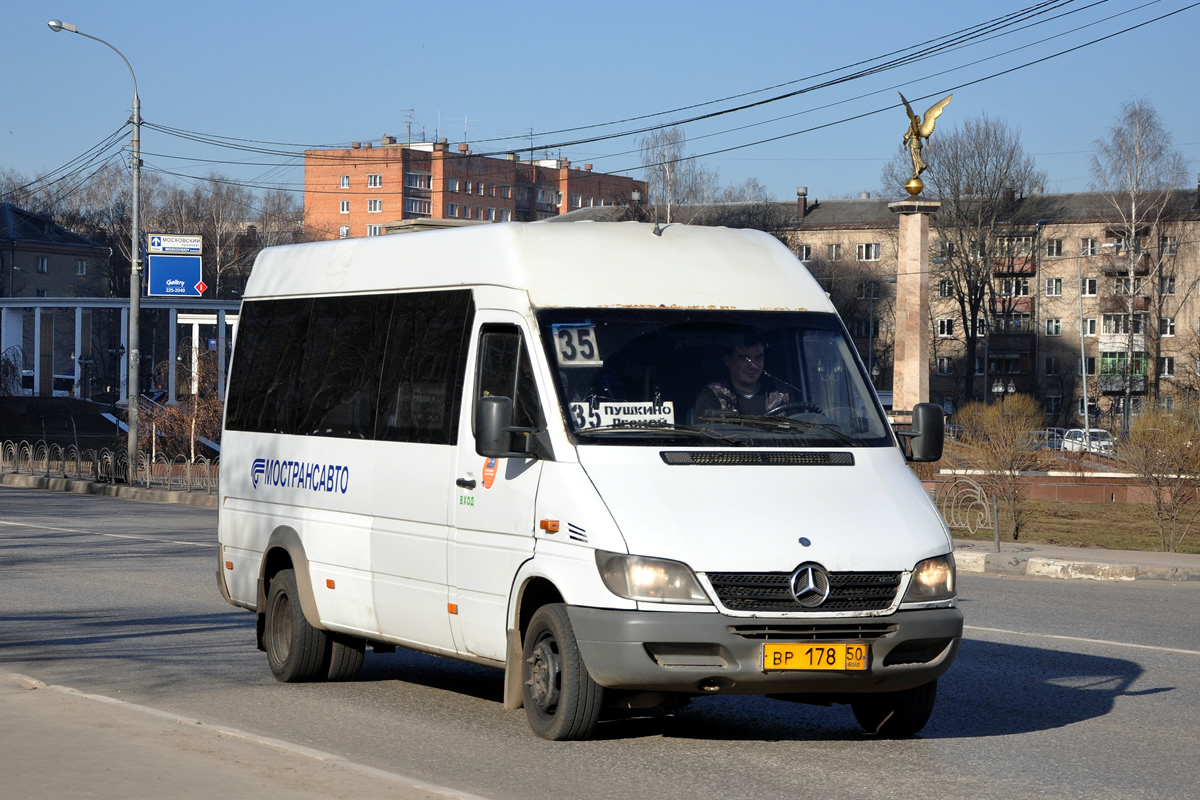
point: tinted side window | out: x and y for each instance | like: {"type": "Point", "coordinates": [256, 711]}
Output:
{"type": "Point", "coordinates": [270, 342]}
{"type": "Point", "coordinates": [338, 381]}
{"type": "Point", "coordinates": [421, 385]}
{"type": "Point", "coordinates": [505, 371]}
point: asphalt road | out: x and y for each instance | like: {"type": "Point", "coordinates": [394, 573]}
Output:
{"type": "Point", "coordinates": [1061, 689]}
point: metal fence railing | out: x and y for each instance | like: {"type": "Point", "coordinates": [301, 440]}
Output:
{"type": "Point", "coordinates": [177, 473]}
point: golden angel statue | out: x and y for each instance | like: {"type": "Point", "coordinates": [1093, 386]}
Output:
{"type": "Point", "coordinates": [920, 128]}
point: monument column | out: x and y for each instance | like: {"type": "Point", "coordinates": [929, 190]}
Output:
{"type": "Point", "coordinates": [910, 367]}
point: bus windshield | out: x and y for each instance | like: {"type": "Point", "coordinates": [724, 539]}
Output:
{"type": "Point", "coordinates": [710, 378]}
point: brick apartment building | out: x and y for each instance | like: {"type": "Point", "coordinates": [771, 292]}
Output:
{"type": "Point", "coordinates": [359, 191]}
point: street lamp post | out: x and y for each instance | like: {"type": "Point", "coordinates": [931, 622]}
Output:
{"type": "Point", "coordinates": [1087, 428]}
{"type": "Point", "coordinates": [999, 390]}
{"type": "Point", "coordinates": [135, 260]}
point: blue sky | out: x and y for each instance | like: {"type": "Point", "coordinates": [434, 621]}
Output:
{"type": "Point", "coordinates": [321, 74]}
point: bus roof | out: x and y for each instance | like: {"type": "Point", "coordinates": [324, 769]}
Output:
{"type": "Point", "coordinates": [578, 264]}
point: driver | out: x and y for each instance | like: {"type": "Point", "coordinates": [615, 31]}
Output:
{"type": "Point", "coordinates": [745, 390]}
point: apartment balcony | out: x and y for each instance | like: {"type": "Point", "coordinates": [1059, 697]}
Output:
{"type": "Point", "coordinates": [1115, 384]}
{"type": "Point", "coordinates": [1119, 304]}
{"type": "Point", "coordinates": [1119, 343]}
{"type": "Point", "coordinates": [1015, 265]}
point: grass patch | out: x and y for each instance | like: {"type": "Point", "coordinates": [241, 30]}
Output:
{"type": "Point", "coordinates": [1114, 526]}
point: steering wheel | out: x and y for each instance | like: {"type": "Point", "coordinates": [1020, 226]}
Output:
{"type": "Point", "coordinates": [794, 407]}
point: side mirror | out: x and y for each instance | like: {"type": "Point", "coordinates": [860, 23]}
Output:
{"type": "Point", "coordinates": [493, 419]}
{"type": "Point", "coordinates": [928, 432]}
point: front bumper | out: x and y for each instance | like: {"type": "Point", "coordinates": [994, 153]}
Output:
{"type": "Point", "coordinates": [715, 653]}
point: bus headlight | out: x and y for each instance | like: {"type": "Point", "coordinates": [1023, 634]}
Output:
{"type": "Point", "coordinates": [649, 580]}
{"type": "Point", "coordinates": [932, 579]}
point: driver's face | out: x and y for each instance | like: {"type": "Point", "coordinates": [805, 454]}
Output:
{"type": "Point", "coordinates": [745, 366]}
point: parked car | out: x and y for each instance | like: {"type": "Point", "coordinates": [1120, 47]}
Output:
{"type": "Point", "coordinates": [1097, 440]}
{"type": "Point", "coordinates": [1048, 439]}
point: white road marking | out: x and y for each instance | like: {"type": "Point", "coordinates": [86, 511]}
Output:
{"type": "Point", "coordinates": [1082, 639]}
{"type": "Point", "coordinates": [109, 535]}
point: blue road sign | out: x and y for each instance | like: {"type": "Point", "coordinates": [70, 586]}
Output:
{"type": "Point", "coordinates": [174, 276]}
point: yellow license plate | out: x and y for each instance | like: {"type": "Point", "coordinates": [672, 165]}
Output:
{"type": "Point", "coordinates": [815, 655]}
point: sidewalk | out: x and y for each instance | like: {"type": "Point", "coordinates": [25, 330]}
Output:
{"type": "Point", "coordinates": [58, 742]}
{"type": "Point", "coordinates": [1078, 563]}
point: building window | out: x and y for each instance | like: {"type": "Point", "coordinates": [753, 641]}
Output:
{"type": "Point", "coordinates": [1088, 287]}
{"type": "Point", "coordinates": [1089, 326]}
{"type": "Point", "coordinates": [81, 268]}
{"type": "Point", "coordinates": [345, 206]}
{"type": "Point", "coordinates": [467, 186]}
{"type": "Point", "coordinates": [43, 265]}
{"type": "Point", "coordinates": [479, 191]}
{"type": "Point", "coordinates": [344, 232]}
{"type": "Point", "coordinates": [943, 365]}
{"type": "Point", "coordinates": [452, 209]}
{"type": "Point", "coordinates": [452, 184]}
{"type": "Point", "coordinates": [414, 205]}
{"type": "Point", "coordinates": [505, 215]}
{"type": "Point", "coordinates": [1124, 287]}
{"type": "Point", "coordinates": [1119, 363]}
{"type": "Point", "coordinates": [1014, 246]}
{"type": "Point", "coordinates": [374, 230]}
{"type": "Point", "coordinates": [1052, 365]}
{"type": "Point", "coordinates": [946, 249]}
{"type": "Point", "coordinates": [1123, 323]}
{"type": "Point", "coordinates": [1005, 364]}
{"type": "Point", "coordinates": [1166, 367]}
{"type": "Point", "coordinates": [1054, 327]}
{"type": "Point", "coordinates": [1168, 245]}
{"type": "Point", "coordinates": [1087, 247]}
{"type": "Point", "coordinates": [374, 181]}
{"type": "Point", "coordinates": [1014, 287]}
{"type": "Point", "coordinates": [945, 288]}
{"type": "Point", "coordinates": [804, 252]}
{"type": "Point", "coordinates": [1091, 365]}
{"type": "Point", "coordinates": [1053, 287]}
{"type": "Point", "coordinates": [1166, 326]}
{"type": "Point", "coordinates": [945, 327]}
{"type": "Point", "coordinates": [374, 206]}
{"type": "Point", "coordinates": [1166, 284]}
{"type": "Point", "coordinates": [1166, 403]}
{"type": "Point", "coordinates": [833, 252]}
{"type": "Point", "coordinates": [491, 215]}
{"type": "Point", "coordinates": [1053, 248]}
{"type": "Point", "coordinates": [979, 363]}
{"type": "Point", "coordinates": [418, 180]}
{"type": "Point", "coordinates": [1052, 404]}
{"type": "Point", "coordinates": [868, 252]}
{"type": "Point", "coordinates": [345, 183]}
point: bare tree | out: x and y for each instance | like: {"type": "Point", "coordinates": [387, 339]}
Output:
{"type": "Point", "coordinates": [1163, 451]}
{"type": "Point", "coordinates": [673, 178]}
{"type": "Point", "coordinates": [977, 171]}
{"type": "Point", "coordinates": [1000, 446]}
{"type": "Point", "coordinates": [1136, 168]}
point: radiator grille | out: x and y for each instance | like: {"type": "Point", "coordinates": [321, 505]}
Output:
{"type": "Point", "coordinates": [768, 591]}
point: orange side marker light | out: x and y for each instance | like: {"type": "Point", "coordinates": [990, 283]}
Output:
{"type": "Point", "coordinates": [228, 565]}
{"type": "Point", "coordinates": [452, 608]}
{"type": "Point", "coordinates": [549, 525]}
{"type": "Point", "coordinates": [329, 583]}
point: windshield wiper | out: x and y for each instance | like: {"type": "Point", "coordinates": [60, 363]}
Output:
{"type": "Point", "coordinates": [681, 430]}
{"type": "Point", "coordinates": [787, 424]}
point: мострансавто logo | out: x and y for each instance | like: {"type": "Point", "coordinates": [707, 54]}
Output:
{"type": "Point", "coordinates": [300, 475]}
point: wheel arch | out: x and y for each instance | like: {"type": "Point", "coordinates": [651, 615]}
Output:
{"type": "Point", "coordinates": [535, 591]}
{"type": "Point", "coordinates": [284, 550]}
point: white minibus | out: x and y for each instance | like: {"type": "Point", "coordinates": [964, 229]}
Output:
{"type": "Point", "coordinates": [628, 464]}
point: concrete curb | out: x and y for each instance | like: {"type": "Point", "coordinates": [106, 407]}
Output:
{"type": "Point", "coordinates": [1110, 566]}
{"type": "Point", "coordinates": [121, 490]}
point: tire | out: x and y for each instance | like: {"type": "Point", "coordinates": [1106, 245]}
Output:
{"type": "Point", "coordinates": [562, 701]}
{"type": "Point", "coordinates": [345, 656]}
{"type": "Point", "coordinates": [296, 651]}
{"type": "Point", "coordinates": [896, 714]}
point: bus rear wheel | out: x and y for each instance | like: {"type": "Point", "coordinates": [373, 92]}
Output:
{"type": "Point", "coordinates": [296, 651]}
